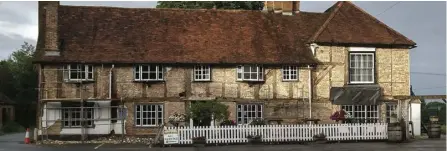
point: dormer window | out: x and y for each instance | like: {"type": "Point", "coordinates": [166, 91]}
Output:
{"type": "Point", "coordinates": [250, 73]}
{"type": "Point", "coordinates": [148, 73]}
{"type": "Point", "coordinates": [78, 72]}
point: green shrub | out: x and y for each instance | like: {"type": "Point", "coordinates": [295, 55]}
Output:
{"type": "Point", "coordinates": [442, 129]}
{"type": "Point", "coordinates": [12, 127]}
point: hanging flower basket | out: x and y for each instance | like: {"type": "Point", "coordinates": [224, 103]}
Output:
{"type": "Point", "coordinates": [176, 119]}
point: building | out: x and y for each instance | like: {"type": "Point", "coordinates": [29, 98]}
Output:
{"type": "Point", "coordinates": [7, 112]}
{"type": "Point", "coordinates": [279, 63]}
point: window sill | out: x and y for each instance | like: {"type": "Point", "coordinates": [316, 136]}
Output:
{"type": "Point", "coordinates": [79, 81]}
{"type": "Point", "coordinates": [148, 81]}
{"type": "Point", "coordinates": [202, 81]}
{"type": "Point", "coordinates": [291, 80]}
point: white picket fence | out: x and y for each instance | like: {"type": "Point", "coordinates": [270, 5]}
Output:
{"type": "Point", "coordinates": [283, 133]}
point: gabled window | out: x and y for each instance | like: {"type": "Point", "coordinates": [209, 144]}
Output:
{"type": "Point", "coordinates": [148, 73]}
{"type": "Point", "coordinates": [78, 72]}
{"type": "Point", "coordinates": [250, 73]}
{"type": "Point", "coordinates": [361, 65]}
{"type": "Point", "coordinates": [289, 73]}
{"type": "Point", "coordinates": [202, 73]}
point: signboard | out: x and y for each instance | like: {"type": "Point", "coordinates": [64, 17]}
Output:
{"type": "Point", "coordinates": [170, 136]}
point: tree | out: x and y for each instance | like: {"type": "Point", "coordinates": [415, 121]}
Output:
{"type": "Point", "coordinates": [201, 112]}
{"type": "Point", "coordinates": [18, 81]}
{"type": "Point", "coordinates": [248, 5]}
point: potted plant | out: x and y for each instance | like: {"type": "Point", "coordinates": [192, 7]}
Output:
{"type": "Point", "coordinates": [199, 141]}
{"type": "Point", "coordinates": [254, 139]}
{"type": "Point", "coordinates": [320, 138]}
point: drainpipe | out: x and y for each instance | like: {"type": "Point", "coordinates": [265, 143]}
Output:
{"type": "Point", "coordinates": [110, 81]}
{"type": "Point", "coordinates": [310, 91]}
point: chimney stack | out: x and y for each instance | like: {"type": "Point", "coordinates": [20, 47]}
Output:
{"type": "Point", "coordinates": [48, 38]}
{"type": "Point", "coordinates": [284, 7]}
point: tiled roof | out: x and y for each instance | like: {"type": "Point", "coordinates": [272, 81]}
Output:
{"type": "Point", "coordinates": [129, 35]}
{"type": "Point", "coordinates": [146, 35]}
{"type": "Point", "coordinates": [349, 24]}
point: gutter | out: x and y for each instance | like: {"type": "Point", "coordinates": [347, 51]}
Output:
{"type": "Point", "coordinates": [110, 81]}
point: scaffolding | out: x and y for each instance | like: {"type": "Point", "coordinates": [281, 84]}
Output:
{"type": "Point", "coordinates": [77, 117]}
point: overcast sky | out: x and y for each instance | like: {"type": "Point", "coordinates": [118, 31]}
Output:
{"type": "Point", "coordinates": [423, 22]}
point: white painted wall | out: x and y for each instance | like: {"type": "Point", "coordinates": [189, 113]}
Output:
{"type": "Point", "coordinates": [101, 116]}
{"type": "Point", "coordinates": [415, 115]}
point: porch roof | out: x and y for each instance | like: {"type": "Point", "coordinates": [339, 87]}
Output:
{"type": "Point", "coordinates": [355, 95]}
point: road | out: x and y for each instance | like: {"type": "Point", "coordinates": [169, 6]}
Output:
{"type": "Point", "coordinates": [14, 142]}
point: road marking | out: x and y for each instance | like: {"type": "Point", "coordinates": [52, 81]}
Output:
{"type": "Point", "coordinates": [99, 146]}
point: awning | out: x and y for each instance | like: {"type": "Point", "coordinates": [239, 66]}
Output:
{"type": "Point", "coordinates": [356, 95]}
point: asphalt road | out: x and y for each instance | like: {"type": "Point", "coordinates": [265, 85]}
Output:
{"type": "Point", "coordinates": [14, 142]}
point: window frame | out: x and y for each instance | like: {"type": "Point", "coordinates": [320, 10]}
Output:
{"type": "Point", "coordinates": [390, 107]}
{"type": "Point", "coordinates": [246, 119]}
{"type": "Point", "coordinates": [359, 51]}
{"type": "Point", "coordinates": [138, 71]}
{"type": "Point", "coordinates": [289, 69]}
{"type": "Point", "coordinates": [86, 69]}
{"type": "Point", "coordinates": [259, 73]}
{"type": "Point", "coordinates": [202, 69]}
{"type": "Point", "coordinates": [70, 119]}
{"type": "Point", "coordinates": [141, 118]}
{"type": "Point", "coordinates": [364, 109]}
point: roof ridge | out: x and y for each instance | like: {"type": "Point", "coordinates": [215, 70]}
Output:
{"type": "Point", "coordinates": [175, 9]}
{"type": "Point", "coordinates": [324, 25]}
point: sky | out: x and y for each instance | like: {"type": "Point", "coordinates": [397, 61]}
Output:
{"type": "Point", "coordinates": [423, 22]}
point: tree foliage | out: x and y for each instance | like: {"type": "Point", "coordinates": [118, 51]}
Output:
{"type": "Point", "coordinates": [18, 81]}
{"type": "Point", "coordinates": [246, 5]}
{"type": "Point", "coordinates": [201, 112]}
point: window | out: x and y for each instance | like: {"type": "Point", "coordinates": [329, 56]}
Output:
{"type": "Point", "coordinates": [202, 73]}
{"type": "Point", "coordinates": [248, 112]}
{"type": "Point", "coordinates": [72, 117]}
{"type": "Point", "coordinates": [290, 73]}
{"type": "Point", "coordinates": [77, 72]}
{"type": "Point", "coordinates": [391, 108]}
{"type": "Point", "coordinates": [149, 115]}
{"type": "Point", "coordinates": [148, 73]}
{"type": "Point", "coordinates": [250, 73]}
{"type": "Point", "coordinates": [361, 67]}
{"type": "Point", "coordinates": [363, 113]}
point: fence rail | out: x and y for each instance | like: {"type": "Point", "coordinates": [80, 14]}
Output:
{"type": "Point", "coordinates": [283, 133]}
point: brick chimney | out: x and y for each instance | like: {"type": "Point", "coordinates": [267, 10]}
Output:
{"type": "Point", "coordinates": [48, 39]}
{"type": "Point", "coordinates": [284, 7]}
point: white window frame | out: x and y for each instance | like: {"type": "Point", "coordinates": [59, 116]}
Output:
{"type": "Point", "coordinates": [288, 73]}
{"type": "Point", "coordinates": [202, 73]}
{"type": "Point", "coordinates": [144, 114]}
{"type": "Point", "coordinates": [360, 66]}
{"type": "Point", "coordinates": [363, 112]}
{"type": "Point", "coordinates": [243, 110]}
{"type": "Point", "coordinates": [390, 109]}
{"type": "Point", "coordinates": [86, 70]}
{"type": "Point", "coordinates": [138, 72]}
{"type": "Point", "coordinates": [259, 73]}
{"type": "Point", "coordinates": [75, 122]}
